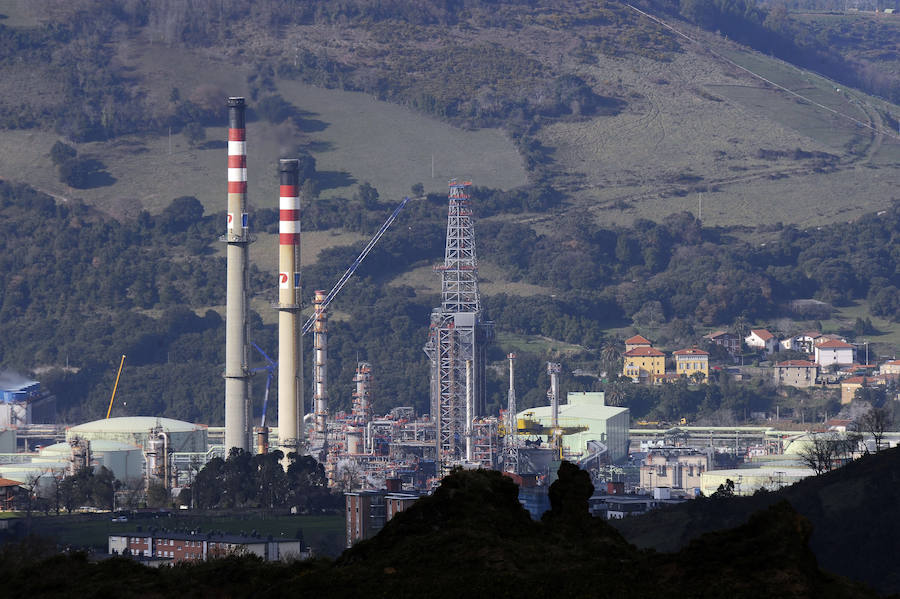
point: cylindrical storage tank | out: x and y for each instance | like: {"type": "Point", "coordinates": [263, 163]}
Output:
{"type": "Point", "coordinates": [7, 440]}
{"type": "Point", "coordinates": [125, 461]}
{"type": "Point", "coordinates": [355, 442]}
{"type": "Point", "coordinates": [135, 430]}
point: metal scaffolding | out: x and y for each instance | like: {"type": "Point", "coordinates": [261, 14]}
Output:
{"type": "Point", "coordinates": [457, 332]}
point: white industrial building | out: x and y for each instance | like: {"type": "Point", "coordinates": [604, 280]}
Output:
{"type": "Point", "coordinates": [605, 424]}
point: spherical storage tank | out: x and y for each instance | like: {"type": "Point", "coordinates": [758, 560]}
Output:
{"type": "Point", "coordinates": [136, 430]}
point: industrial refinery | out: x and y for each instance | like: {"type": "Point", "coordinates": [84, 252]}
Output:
{"type": "Point", "coordinates": [359, 450]}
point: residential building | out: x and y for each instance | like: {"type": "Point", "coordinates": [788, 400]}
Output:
{"type": "Point", "coordinates": [673, 467]}
{"type": "Point", "coordinates": [690, 361]}
{"type": "Point", "coordinates": [186, 547]}
{"type": "Point", "coordinates": [806, 342]}
{"type": "Point", "coordinates": [618, 506]}
{"type": "Point", "coordinates": [369, 511]}
{"type": "Point", "coordinates": [850, 385]}
{"type": "Point", "coordinates": [796, 373]}
{"type": "Point", "coordinates": [763, 340]}
{"type": "Point", "coordinates": [833, 351]}
{"type": "Point", "coordinates": [644, 364]}
{"type": "Point", "coordinates": [729, 341]}
{"type": "Point", "coordinates": [636, 341]}
{"type": "Point", "coordinates": [892, 367]}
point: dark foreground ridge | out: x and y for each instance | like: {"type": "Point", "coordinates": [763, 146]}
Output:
{"type": "Point", "coordinates": [854, 512]}
{"type": "Point", "coordinates": [473, 538]}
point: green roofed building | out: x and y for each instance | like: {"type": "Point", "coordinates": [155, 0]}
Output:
{"type": "Point", "coordinates": [588, 410]}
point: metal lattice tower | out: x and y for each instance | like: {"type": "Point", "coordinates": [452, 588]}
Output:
{"type": "Point", "coordinates": [511, 438]}
{"type": "Point", "coordinates": [457, 333]}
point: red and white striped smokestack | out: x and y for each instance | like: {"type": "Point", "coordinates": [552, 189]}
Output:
{"type": "Point", "coordinates": [320, 344]}
{"type": "Point", "coordinates": [237, 373]}
{"type": "Point", "coordinates": [290, 366]}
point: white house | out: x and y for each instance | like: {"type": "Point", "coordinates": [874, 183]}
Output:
{"type": "Point", "coordinates": [762, 339]}
{"type": "Point", "coordinates": [892, 367]}
{"type": "Point", "coordinates": [833, 352]}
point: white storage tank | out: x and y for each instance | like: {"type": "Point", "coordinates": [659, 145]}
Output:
{"type": "Point", "coordinates": [135, 430]}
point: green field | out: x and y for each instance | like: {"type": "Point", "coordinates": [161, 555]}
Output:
{"type": "Point", "coordinates": [353, 137]}
{"type": "Point", "coordinates": [325, 534]}
{"type": "Point", "coordinates": [491, 281]}
{"type": "Point", "coordinates": [535, 344]}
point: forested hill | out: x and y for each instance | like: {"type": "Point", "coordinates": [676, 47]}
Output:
{"type": "Point", "coordinates": [79, 288]}
{"type": "Point", "coordinates": [112, 111]}
{"type": "Point", "coordinates": [473, 538]}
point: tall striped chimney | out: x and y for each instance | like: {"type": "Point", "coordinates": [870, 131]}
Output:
{"type": "Point", "coordinates": [290, 373]}
{"type": "Point", "coordinates": [237, 373]}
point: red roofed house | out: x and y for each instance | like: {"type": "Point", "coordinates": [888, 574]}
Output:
{"type": "Point", "coordinates": [761, 339]}
{"type": "Point", "coordinates": [644, 364]}
{"type": "Point", "coordinates": [796, 373]}
{"type": "Point", "coordinates": [8, 491]}
{"type": "Point", "coordinates": [833, 352]}
{"type": "Point", "coordinates": [689, 361]}
{"type": "Point", "coordinates": [892, 367]}
{"type": "Point", "coordinates": [636, 341]}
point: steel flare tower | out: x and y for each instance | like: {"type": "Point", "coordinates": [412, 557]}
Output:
{"type": "Point", "coordinates": [457, 334]}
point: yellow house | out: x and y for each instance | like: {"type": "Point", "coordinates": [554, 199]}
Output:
{"type": "Point", "coordinates": [644, 364]}
{"type": "Point", "coordinates": [689, 361]}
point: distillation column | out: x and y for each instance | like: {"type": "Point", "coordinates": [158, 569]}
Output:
{"type": "Point", "coordinates": [237, 374]}
{"type": "Point", "coordinates": [511, 440]}
{"type": "Point", "coordinates": [362, 400]}
{"type": "Point", "coordinates": [470, 454]}
{"type": "Point", "coordinates": [290, 366]}
{"type": "Point", "coordinates": [553, 369]}
{"type": "Point", "coordinates": [320, 345]}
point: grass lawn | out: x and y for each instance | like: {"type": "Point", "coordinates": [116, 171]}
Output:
{"type": "Point", "coordinates": [536, 344]}
{"type": "Point", "coordinates": [882, 344]}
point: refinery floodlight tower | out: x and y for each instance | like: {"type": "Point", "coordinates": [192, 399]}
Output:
{"type": "Point", "coordinates": [457, 335]}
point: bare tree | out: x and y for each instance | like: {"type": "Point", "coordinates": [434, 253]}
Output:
{"type": "Point", "coordinates": [875, 422]}
{"type": "Point", "coordinates": [30, 488]}
{"type": "Point", "coordinates": [820, 452]}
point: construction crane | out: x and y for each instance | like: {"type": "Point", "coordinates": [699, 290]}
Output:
{"type": "Point", "coordinates": [116, 386]}
{"type": "Point", "coordinates": [270, 369]}
{"type": "Point", "coordinates": [349, 273]}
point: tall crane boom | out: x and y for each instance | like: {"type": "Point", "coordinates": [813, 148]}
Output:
{"type": "Point", "coordinates": [346, 276]}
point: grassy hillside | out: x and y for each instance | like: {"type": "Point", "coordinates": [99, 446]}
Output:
{"type": "Point", "coordinates": [591, 114]}
{"type": "Point", "coordinates": [685, 121]}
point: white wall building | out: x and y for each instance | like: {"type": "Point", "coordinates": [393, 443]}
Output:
{"type": "Point", "coordinates": [762, 339]}
{"type": "Point", "coordinates": [833, 352]}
